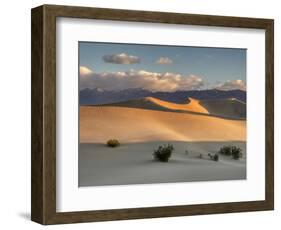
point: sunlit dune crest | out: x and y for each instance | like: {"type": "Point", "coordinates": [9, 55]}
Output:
{"type": "Point", "coordinates": [192, 106]}
{"type": "Point", "coordinates": [152, 103]}
{"type": "Point", "coordinates": [228, 108]}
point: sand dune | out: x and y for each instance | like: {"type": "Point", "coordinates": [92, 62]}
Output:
{"type": "Point", "coordinates": [227, 107]}
{"type": "Point", "coordinates": [192, 105]}
{"type": "Point", "coordinates": [188, 127]}
{"type": "Point", "coordinates": [100, 123]}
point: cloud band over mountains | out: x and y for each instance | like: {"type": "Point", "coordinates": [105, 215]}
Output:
{"type": "Point", "coordinates": [153, 81]}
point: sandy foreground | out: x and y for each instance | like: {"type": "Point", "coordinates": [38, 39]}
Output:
{"type": "Point", "coordinates": [140, 131]}
{"type": "Point", "coordinates": [133, 163]}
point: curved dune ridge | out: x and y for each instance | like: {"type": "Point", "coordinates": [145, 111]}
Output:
{"type": "Point", "coordinates": [153, 103]}
{"type": "Point", "coordinates": [229, 108]}
{"type": "Point", "coordinates": [192, 105]}
{"type": "Point", "coordinates": [101, 123]}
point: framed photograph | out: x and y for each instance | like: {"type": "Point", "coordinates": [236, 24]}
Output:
{"type": "Point", "coordinates": [140, 114]}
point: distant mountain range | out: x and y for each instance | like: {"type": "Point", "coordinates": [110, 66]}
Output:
{"type": "Point", "coordinates": [97, 96]}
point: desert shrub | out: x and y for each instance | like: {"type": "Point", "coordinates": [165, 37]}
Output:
{"type": "Point", "coordinates": [225, 150]}
{"type": "Point", "coordinates": [236, 153]}
{"type": "Point", "coordinates": [112, 143]}
{"type": "Point", "coordinates": [214, 157]}
{"type": "Point", "coordinates": [231, 150]}
{"type": "Point", "coordinates": [163, 153]}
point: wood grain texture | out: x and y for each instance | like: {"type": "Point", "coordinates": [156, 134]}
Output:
{"type": "Point", "coordinates": [43, 158]}
{"type": "Point", "coordinates": [37, 116]}
{"type": "Point", "coordinates": [269, 116]}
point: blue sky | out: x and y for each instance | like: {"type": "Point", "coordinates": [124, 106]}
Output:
{"type": "Point", "coordinates": [214, 66]}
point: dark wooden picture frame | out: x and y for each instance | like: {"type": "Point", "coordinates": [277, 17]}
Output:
{"type": "Point", "coordinates": [43, 189]}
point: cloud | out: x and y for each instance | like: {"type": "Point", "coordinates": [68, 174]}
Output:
{"type": "Point", "coordinates": [84, 70]}
{"type": "Point", "coordinates": [121, 58]}
{"type": "Point", "coordinates": [153, 81]}
{"type": "Point", "coordinates": [231, 85]}
{"type": "Point", "coordinates": [164, 61]}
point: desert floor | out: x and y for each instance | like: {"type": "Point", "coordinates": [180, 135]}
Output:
{"type": "Point", "coordinates": [133, 163]}
{"type": "Point", "coordinates": [141, 131]}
